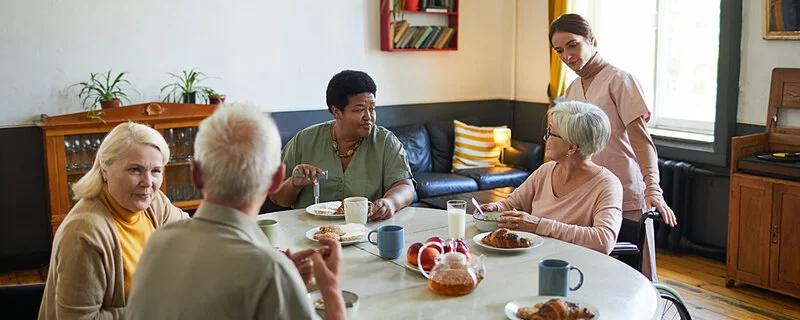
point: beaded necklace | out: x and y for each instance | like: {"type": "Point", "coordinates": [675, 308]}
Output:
{"type": "Point", "coordinates": [335, 144]}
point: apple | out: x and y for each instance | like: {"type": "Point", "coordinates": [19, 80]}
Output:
{"type": "Point", "coordinates": [461, 246]}
{"type": "Point", "coordinates": [449, 247]}
{"type": "Point", "coordinates": [427, 258]}
{"type": "Point", "coordinates": [413, 252]}
{"type": "Point", "coordinates": [438, 240]}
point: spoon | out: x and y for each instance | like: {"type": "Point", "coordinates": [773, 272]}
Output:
{"type": "Point", "coordinates": [478, 207]}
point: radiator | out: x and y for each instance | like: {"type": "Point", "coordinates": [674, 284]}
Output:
{"type": "Point", "coordinates": [699, 206]}
{"type": "Point", "coordinates": [676, 183]}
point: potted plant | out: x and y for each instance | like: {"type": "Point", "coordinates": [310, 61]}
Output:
{"type": "Point", "coordinates": [185, 87]}
{"type": "Point", "coordinates": [104, 90]}
{"type": "Point", "coordinates": [213, 96]}
{"type": "Point", "coordinates": [398, 7]}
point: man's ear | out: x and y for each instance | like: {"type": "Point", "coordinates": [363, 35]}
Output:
{"type": "Point", "coordinates": [277, 178]}
{"type": "Point", "coordinates": [197, 179]}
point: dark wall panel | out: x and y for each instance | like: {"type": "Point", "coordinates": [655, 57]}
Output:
{"type": "Point", "coordinates": [530, 121]}
{"type": "Point", "coordinates": [486, 112]}
{"type": "Point", "coordinates": [24, 225]}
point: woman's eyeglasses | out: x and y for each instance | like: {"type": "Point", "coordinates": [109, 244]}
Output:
{"type": "Point", "coordinates": [548, 134]}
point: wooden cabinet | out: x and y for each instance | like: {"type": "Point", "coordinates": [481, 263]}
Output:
{"type": "Point", "coordinates": [70, 143]}
{"type": "Point", "coordinates": [764, 207]}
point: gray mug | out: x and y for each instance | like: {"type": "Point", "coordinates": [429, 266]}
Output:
{"type": "Point", "coordinates": [554, 278]}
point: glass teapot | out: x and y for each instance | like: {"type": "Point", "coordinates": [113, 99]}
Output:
{"type": "Point", "coordinates": [452, 273]}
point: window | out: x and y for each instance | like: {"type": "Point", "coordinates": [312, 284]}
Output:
{"type": "Point", "coordinates": [672, 47]}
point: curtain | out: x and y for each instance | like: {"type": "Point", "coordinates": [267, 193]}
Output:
{"type": "Point", "coordinates": [558, 74]}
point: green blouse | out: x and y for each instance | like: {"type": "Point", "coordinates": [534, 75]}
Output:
{"type": "Point", "coordinates": [378, 163]}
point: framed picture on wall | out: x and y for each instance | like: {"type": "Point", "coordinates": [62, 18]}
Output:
{"type": "Point", "coordinates": [782, 19]}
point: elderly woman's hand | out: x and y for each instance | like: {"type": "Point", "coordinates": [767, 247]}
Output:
{"type": "Point", "coordinates": [382, 210]}
{"type": "Point", "coordinates": [518, 220]}
{"type": "Point", "coordinates": [308, 172]}
{"type": "Point", "coordinates": [488, 207]}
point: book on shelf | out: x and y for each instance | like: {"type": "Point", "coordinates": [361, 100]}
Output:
{"type": "Point", "coordinates": [443, 38]}
{"type": "Point", "coordinates": [449, 39]}
{"type": "Point", "coordinates": [435, 9]}
{"type": "Point", "coordinates": [406, 36]}
{"type": "Point", "coordinates": [427, 44]}
{"type": "Point", "coordinates": [424, 36]}
{"type": "Point", "coordinates": [400, 28]}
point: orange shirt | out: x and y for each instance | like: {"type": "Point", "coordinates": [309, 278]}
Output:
{"type": "Point", "coordinates": [133, 229]}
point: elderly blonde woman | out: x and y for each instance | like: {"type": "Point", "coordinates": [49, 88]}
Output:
{"type": "Point", "coordinates": [569, 198]}
{"type": "Point", "coordinates": [97, 246]}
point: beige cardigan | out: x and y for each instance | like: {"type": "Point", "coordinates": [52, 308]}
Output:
{"type": "Point", "coordinates": [85, 279]}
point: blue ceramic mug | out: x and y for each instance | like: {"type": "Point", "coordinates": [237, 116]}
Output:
{"type": "Point", "coordinates": [554, 277]}
{"type": "Point", "coordinates": [389, 241]}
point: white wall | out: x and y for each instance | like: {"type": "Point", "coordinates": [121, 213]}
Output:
{"type": "Point", "coordinates": [276, 53]}
{"type": "Point", "coordinates": [532, 70]}
{"type": "Point", "coordinates": [759, 57]}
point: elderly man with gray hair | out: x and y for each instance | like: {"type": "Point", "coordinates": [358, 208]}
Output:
{"type": "Point", "coordinates": [569, 198]}
{"type": "Point", "coordinates": [219, 265]}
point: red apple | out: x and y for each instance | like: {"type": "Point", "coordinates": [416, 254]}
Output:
{"type": "Point", "coordinates": [439, 241]}
{"type": "Point", "coordinates": [449, 247]}
{"type": "Point", "coordinates": [427, 258]}
{"type": "Point", "coordinates": [413, 252]}
{"type": "Point", "coordinates": [462, 247]}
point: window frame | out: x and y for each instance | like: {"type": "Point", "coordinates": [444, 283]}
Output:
{"type": "Point", "coordinates": [728, 69]}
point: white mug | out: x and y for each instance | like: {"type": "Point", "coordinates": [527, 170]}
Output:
{"type": "Point", "coordinates": [356, 210]}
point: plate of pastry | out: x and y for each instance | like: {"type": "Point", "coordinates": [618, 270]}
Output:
{"type": "Point", "coordinates": [330, 210]}
{"type": "Point", "coordinates": [346, 234]}
{"type": "Point", "coordinates": [547, 307]}
{"type": "Point", "coordinates": [504, 240]}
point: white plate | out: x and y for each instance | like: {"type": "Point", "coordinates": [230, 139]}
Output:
{"type": "Point", "coordinates": [411, 267]}
{"type": "Point", "coordinates": [333, 205]}
{"type": "Point", "coordinates": [537, 241]}
{"type": "Point", "coordinates": [512, 307]}
{"type": "Point", "coordinates": [310, 235]}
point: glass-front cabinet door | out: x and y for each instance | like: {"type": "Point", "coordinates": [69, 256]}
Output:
{"type": "Point", "coordinates": [178, 178]}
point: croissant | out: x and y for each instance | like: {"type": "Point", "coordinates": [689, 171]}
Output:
{"type": "Point", "coordinates": [555, 309]}
{"type": "Point", "coordinates": [503, 238]}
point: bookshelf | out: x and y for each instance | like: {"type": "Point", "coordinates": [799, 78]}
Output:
{"type": "Point", "coordinates": [407, 41]}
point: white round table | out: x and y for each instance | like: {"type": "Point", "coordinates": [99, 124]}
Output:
{"type": "Point", "coordinates": [388, 290]}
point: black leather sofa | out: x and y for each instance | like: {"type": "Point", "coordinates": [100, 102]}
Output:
{"type": "Point", "coordinates": [430, 154]}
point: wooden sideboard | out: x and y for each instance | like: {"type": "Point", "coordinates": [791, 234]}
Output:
{"type": "Point", "coordinates": [71, 140]}
{"type": "Point", "coordinates": [764, 207]}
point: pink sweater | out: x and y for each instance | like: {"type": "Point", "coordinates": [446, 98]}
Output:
{"type": "Point", "coordinates": [589, 216]}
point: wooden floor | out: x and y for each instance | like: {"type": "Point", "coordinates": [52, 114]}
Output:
{"type": "Point", "coordinates": [700, 281]}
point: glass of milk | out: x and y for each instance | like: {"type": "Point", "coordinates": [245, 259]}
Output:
{"type": "Point", "coordinates": [457, 218]}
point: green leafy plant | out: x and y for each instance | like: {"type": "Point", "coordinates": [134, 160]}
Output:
{"type": "Point", "coordinates": [100, 88]}
{"type": "Point", "coordinates": [398, 8]}
{"type": "Point", "coordinates": [185, 87]}
{"type": "Point", "coordinates": [211, 93]}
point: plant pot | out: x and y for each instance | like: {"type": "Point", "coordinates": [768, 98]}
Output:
{"type": "Point", "coordinates": [216, 100]}
{"type": "Point", "coordinates": [412, 5]}
{"type": "Point", "coordinates": [110, 104]}
{"type": "Point", "coordinates": [189, 97]}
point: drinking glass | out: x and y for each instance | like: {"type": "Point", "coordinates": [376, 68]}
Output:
{"type": "Point", "coordinates": [188, 144]}
{"type": "Point", "coordinates": [457, 219]}
{"type": "Point", "coordinates": [180, 146]}
{"type": "Point", "coordinates": [88, 152]}
{"type": "Point", "coordinates": [70, 154]}
{"type": "Point", "coordinates": [169, 136]}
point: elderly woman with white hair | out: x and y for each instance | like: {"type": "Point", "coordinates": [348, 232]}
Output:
{"type": "Point", "coordinates": [569, 198]}
{"type": "Point", "coordinates": [97, 246]}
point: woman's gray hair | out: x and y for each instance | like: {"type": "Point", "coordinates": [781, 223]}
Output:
{"type": "Point", "coordinates": [114, 146]}
{"type": "Point", "coordinates": [583, 124]}
{"type": "Point", "coordinates": [237, 150]}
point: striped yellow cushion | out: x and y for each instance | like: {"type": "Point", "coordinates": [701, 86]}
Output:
{"type": "Point", "coordinates": [474, 147]}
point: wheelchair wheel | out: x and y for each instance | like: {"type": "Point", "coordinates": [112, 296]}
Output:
{"type": "Point", "coordinates": [674, 307]}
